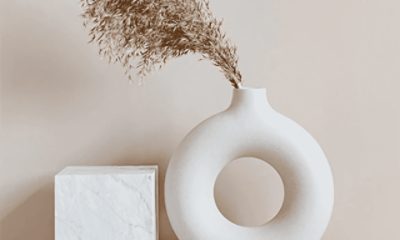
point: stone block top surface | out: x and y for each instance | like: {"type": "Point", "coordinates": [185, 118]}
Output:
{"type": "Point", "coordinates": [107, 170]}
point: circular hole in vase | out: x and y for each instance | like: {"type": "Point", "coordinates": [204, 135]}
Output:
{"type": "Point", "coordinates": [249, 192]}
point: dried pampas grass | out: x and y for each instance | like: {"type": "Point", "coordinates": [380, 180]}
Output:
{"type": "Point", "coordinates": [143, 34]}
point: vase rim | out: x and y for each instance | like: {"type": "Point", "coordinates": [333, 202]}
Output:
{"type": "Point", "coordinates": [250, 89]}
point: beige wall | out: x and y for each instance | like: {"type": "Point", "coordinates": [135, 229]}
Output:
{"type": "Point", "coordinates": [333, 66]}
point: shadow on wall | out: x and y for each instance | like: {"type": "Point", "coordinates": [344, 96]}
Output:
{"type": "Point", "coordinates": [33, 219]}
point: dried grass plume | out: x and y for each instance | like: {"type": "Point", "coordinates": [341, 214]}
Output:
{"type": "Point", "coordinates": [143, 34]}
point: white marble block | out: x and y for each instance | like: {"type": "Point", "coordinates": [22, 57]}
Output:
{"type": "Point", "coordinates": [106, 203]}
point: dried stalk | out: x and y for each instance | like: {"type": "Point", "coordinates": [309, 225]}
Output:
{"type": "Point", "coordinates": [144, 34]}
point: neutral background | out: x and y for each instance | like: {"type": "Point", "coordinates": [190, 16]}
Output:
{"type": "Point", "coordinates": [332, 66]}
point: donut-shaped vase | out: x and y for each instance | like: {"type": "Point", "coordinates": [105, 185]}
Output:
{"type": "Point", "coordinates": [250, 127]}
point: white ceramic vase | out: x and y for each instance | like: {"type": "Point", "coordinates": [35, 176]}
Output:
{"type": "Point", "coordinates": [250, 127]}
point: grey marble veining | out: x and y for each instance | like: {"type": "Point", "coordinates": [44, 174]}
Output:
{"type": "Point", "coordinates": [106, 203]}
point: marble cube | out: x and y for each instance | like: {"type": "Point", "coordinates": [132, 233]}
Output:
{"type": "Point", "coordinates": [106, 203]}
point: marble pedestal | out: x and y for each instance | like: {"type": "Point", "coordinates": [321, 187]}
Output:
{"type": "Point", "coordinates": [106, 203]}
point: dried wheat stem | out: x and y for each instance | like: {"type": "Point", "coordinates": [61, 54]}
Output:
{"type": "Point", "coordinates": [143, 34]}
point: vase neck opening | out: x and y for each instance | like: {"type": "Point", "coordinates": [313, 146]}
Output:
{"type": "Point", "coordinates": [250, 98]}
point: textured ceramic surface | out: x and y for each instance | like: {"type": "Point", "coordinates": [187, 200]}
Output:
{"type": "Point", "coordinates": [103, 203]}
{"type": "Point", "coordinates": [250, 127]}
